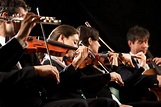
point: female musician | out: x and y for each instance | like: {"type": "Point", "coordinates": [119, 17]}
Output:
{"type": "Point", "coordinates": [89, 36]}
{"type": "Point", "coordinates": [71, 86]}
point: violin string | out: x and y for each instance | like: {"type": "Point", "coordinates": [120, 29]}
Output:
{"type": "Point", "coordinates": [88, 25]}
{"type": "Point", "coordinates": [42, 29]}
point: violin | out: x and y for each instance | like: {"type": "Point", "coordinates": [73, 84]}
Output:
{"type": "Point", "coordinates": [93, 59]}
{"type": "Point", "coordinates": [55, 48]}
{"type": "Point", "coordinates": [96, 60]}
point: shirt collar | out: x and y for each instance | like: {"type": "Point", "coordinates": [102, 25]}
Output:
{"type": "Point", "coordinates": [2, 40]}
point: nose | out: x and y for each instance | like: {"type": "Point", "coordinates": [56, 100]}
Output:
{"type": "Point", "coordinates": [145, 45]}
{"type": "Point", "coordinates": [99, 44]}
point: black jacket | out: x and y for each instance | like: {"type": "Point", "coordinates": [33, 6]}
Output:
{"type": "Point", "coordinates": [18, 88]}
{"type": "Point", "coordinates": [135, 84]}
{"type": "Point", "coordinates": [72, 82]}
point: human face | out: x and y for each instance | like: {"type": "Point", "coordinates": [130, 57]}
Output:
{"type": "Point", "coordinates": [72, 41]}
{"type": "Point", "coordinates": [20, 14]}
{"type": "Point", "coordinates": [138, 46]}
{"type": "Point", "coordinates": [94, 46]}
{"type": "Point", "coordinates": [9, 29]}
{"type": "Point", "coordinates": [12, 28]}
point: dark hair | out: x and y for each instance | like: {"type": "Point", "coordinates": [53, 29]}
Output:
{"type": "Point", "coordinates": [10, 6]}
{"type": "Point", "coordinates": [66, 30]}
{"type": "Point", "coordinates": [87, 32]}
{"type": "Point", "coordinates": [138, 32]}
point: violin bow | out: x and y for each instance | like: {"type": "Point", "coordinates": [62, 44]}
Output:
{"type": "Point", "coordinates": [44, 36]}
{"type": "Point", "coordinates": [88, 25]}
{"type": "Point", "coordinates": [93, 55]}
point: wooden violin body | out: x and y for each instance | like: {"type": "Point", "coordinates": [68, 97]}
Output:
{"type": "Point", "coordinates": [55, 48]}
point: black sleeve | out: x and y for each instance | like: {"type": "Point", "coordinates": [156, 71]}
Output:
{"type": "Point", "coordinates": [29, 60]}
{"type": "Point", "coordinates": [15, 77]}
{"type": "Point", "coordinates": [129, 75]}
{"type": "Point", "coordinates": [95, 82]}
{"type": "Point", "coordinates": [10, 53]}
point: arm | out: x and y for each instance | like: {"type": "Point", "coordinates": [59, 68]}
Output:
{"type": "Point", "coordinates": [10, 54]}
{"type": "Point", "coordinates": [17, 76]}
{"type": "Point", "coordinates": [12, 51]}
{"type": "Point", "coordinates": [129, 75]}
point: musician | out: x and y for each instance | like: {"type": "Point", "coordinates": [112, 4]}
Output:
{"type": "Point", "coordinates": [89, 37]}
{"type": "Point", "coordinates": [71, 87]}
{"type": "Point", "coordinates": [137, 90]}
{"type": "Point", "coordinates": [21, 87]}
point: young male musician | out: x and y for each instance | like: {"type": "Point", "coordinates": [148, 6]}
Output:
{"type": "Point", "coordinates": [138, 38]}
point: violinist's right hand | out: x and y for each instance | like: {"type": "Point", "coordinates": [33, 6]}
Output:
{"type": "Point", "coordinates": [81, 55]}
{"type": "Point", "coordinates": [47, 70]}
{"type": "Point", "coordinates": [27, 24]}
{"type": "Point", "coordinates": [116, 77]}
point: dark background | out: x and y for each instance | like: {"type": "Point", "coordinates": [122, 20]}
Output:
{"type": "Point", "coordinates": [112, 18]}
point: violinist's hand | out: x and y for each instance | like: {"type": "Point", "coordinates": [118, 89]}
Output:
{"type": "Point", "coordinates": [141, 59]}
{"type": "Point", "coordinates": [113, 58]}
{"type": "Point", "coordinates": [27, 24]}
{"type": "Point", "coordinates": [126, 59]}
{"type": "Point", "coordinates": [157, 61]}
{"type": "Point", "coordinates": [47, 70]}
{"type": "Point", "coordinates": [116, 77]}
{"type": "Point", "coordinates": [81, 54]}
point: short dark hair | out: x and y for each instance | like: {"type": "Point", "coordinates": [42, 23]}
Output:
{"type": "Point", "coordinates": [87, 32]}
{"type": "Point", "coordinates": [10, 6]}
{"type": "Point", "coordinates": [66, 30]}
{"type": "Point", "coordinates": [138, 32]}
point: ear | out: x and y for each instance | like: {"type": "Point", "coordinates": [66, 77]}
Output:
{"type": "Point", "coordinates": [61, 38]}
{"type": "Point", "coordinates": [130, 43]}
{"type": "Point", "coordinates": [89, 40]}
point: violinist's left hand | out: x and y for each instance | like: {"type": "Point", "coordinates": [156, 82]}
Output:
{"type": "Point", "coordinates": [81, 55]}
{"type": "Point", "coordinates": [157, 60]}
{"type": "Point", "coordinates": [141, 59]}
{"type": "Point", "coordinates": [27, 24]}
{"type": "Point", "coordinates": [113, 58]}
{"type": "Point", "coordinates": [126, 59]}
